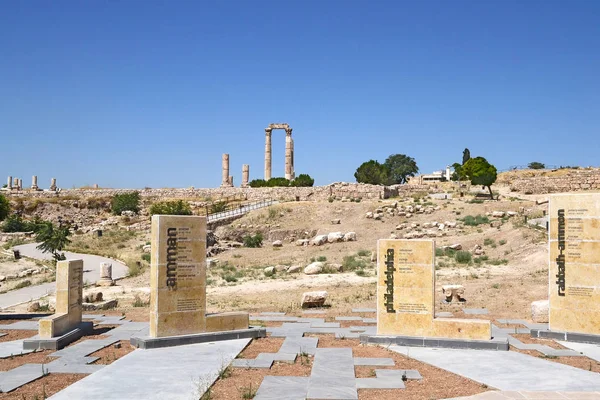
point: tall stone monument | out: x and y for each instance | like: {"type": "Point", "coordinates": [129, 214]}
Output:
{"type": "Point", "coordinates": [69, 293]}
{"type": "Point", "coordinates": [9, 184]}
{"type": "Point", "coordinates": [178, 280]}
{"type": "Point", "coordinates": [245, 175]}
{"type": "Point", "coordinates": [406, 295]}
{"type": "Point", "coordinates": [225, 181]}
{"type": "Point", "coordinates": [34, 185]}
{"type": "Point", "coordinates": [575, 263]}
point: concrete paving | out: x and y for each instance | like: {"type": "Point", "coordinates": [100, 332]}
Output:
{"type": "Point", "coordinates": [496, 395]}
{"type": "Point", "coordinates": [506, 370]}
{"type": "Point", "coordinates": [589, 350]}
{"type": "Point", "coordinates": [174, 373]}
{"type": "Point", "coordinates": [91, 273]}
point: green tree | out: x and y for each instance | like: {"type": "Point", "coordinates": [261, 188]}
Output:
{"type": "Point", "coordinates": [458, 174]}
{"type": "Point", "coordinates": [372, 172]}
{"type": "Point", "coordinates": [178, 207]}
{"type": "Point", "coordinates": [536, 165]}
{"type": "Point", "coordinates": [53, 239]}
{"type": "Point", "coordinates": [480, 172]}
{"type": "Point", "coordinates": [466, 156]}
{"type": "Point", "coordinates": [303, 180]}
{"type": "Point", "coordinates": [4, 207]}
{"type": "Point", "coordinates": [125, 202]}
{"type": "Point", "coordinates": [400, 167]}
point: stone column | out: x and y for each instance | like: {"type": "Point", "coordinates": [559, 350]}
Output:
{"type": "Point", "coordinates": [20, 184]}
{"type": "Point", "coordinates": [16, 183]}
{"type": "Point", "coordinates": [105, 275]}
{"type": "Point", "coordinates": [53, 184]}
{"type": "Point", "coordinates": [245, 175]}
{"type": "Point", "coordinates": [34, 185]}
{"type": "Point", "coordinates": [288, 154]}
{"type": "Point", "coordinates": [230, 181]}
{"type": "Point", "coordinates": [95, 186]}
{"type": "Point", "coordinates": [9, 184]}
{"type": "Point", "coordinates": [268, 154]}
{"type": "Point", "coordinates": [225, 170]}
{"type": "Point", "coordinates": [293, 169]}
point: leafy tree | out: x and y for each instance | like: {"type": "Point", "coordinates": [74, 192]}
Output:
{"type": "Point", "coordinates": [278, 182]}
{"type": "Point", "coordinates": [466, 156]}
{"type": "Point", "coordinates": [4, 207]}
{"type": "Point", "coordinates": [171, 208]}
{"type": "Point", "coordinates": [303, 180]}
{"type": "Point", "coordinates": [372, 172]}
{"type": "Point", "coordinates": [256, 183]}
{"type": "Point", "coordinates": [253, 241]}
{"type": "Point", "coordinates": [536, 165]}
{"type": "Point", "coordinates": [125, 202]}
{"type": "Point", "coordinates": [458, 174]}
{"type": "Point", "coordinates": [400, 167]}
{"type": "Point", "coordinates": [480, 172]}
{"type": "Point", "coordinates": [53, 239]}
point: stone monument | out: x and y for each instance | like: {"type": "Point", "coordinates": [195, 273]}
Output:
{"type": "Point", "coordinates": [289, 151]}
{"type": "Point", "coordinates": [406, 295]}
{"type": "Point", "coordinates": [245, 175]}
{"type": "Point", "coordinates": [9, 184]}
{"type": "Point", "coordinates": [178, 280]}
{"type": "Point", "coordinates": [574, 263]}
{"type": "Point", "coordinates": [34, 185]}
{"type": "Point", "coordinates": [105, 275]}
{"type": "Point", "coordinates": [225, 181]}
{"type": "Point", "coordinates": [69, 293]}
{"type": "Point", "coordinates": [53, 184]}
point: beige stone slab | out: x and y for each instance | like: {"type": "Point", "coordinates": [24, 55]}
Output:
{"type": "Point", "coordinates": [227, 321]}
{"type": "Point", "coordinates": [413, 283]}
{"type": "Point", "coordinates": [178, 275]}
{"type": "Point", "coordinates": [574, 263]}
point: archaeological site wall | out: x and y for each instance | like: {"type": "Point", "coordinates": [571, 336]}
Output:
{"type": "Point", "coordinates": [319, 193]}
{"type": "Point", "coordinates": [560, 181]}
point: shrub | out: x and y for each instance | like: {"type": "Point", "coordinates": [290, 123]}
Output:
{"type": "Point", "coordinates": [502, 242]}
{"type": "Point", "coordinates": [498, 262]}
{"type": "Point", "coordinates": [479, 260]}
{"type": "Point", "coordinates": [351, 263]}
{"type": "Point", "coordinates": [23, 284]}
{"type": "Point", "coordinates": [470, 220]}
{"type": "Point", "coordinates": [178, 207]}
{"type": "Point", "coordinates": [303, 180]}
{"type": "Point", "coordinates": [361, 272]}
{"type": "Point", "coordinates": [331, 199]}
{"type": "Point", "coordinates": [4, 207]}
{"type": "Point", "coordinates": [536, 165]}
{"type": "Point", "coordinates": [489, 242]}
{"type": "Point", "coordinates": [125, 202]}
{"type": "Point", "coordinates": [364, 253]}
{"type": "Point", "coordinates": [439, 252]}
{"type": "Point", "coordinates": [253, 241]}
{"type": "Point", "coordinates": [462, 257]}
{"type": "Point", "coordinates": [14, 223]}
{"type": "Point", "coordinates": [278, 182]}
{"type": "Point", "coordinates": [229, 278]}
{"type": "Point", "coordinates": [256, 183]}
{"type": "Point", "coordinates": [146, 257]}
{"type": "Point", "coordinates": [135, 268]}
{"type": "Point", "coordinates": [321, 258]}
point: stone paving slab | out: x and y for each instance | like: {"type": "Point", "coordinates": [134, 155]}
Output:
{"type": "Point", "coordinates": [272, 313]}
{"type": "Point", "coordinates": [348, 318]}
{"type": "Point", "coordinates": [508, 395]}
{"type": "Point", "coordinates": [283, 388]}
{"type": "Point", "coordinates": [174, 373]}
{"type": "Point", "coordinates": [444, 314]}
{"type": "Point", "coordinates": [373, 362]}
{"type": "Point", "coordinates": [314, 312]}
{"type": "Point", "coordinates": [475, 311]}
{"type": "Point", "coordinates": [12, 348]}
{"type": "Point", "coordinates": [364, 310]}
{"type": "Point", "coordinates": [298, 345]}
{"type": "Point", "coordinates": [17, 377]}
{"type": "Point", "coordinates": [376, 383]}
{"type": "Point", "coordinates": [332, 375]}
{"type": "Point", "coordinates": [546, 350]}
{"type": "Point", "coordinates": [589, 350]}
{"type": "Point", "coordinates": [506, 370]}
{"type": "Point", "coordinates": [21, 325]}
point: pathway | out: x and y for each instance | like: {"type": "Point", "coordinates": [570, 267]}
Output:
{"type": "Point", "coordinates": [91, 273]}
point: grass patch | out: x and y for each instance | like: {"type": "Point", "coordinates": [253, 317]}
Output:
{"type": "Point", "coordinates": [321, 258]}
{"type": "Point", "coordinates": [22, 284]}
{"type": "Point", "coordinates": [470, 220]}
{"type": "Point", "coordinates": [463, 257]}
{"type": "Point", "coordinates": [353, 263]}
{"type": "Point", "coordinates": [498, 261]}
{"type": "Point", "coordinates": [364, 253]}
{"type": "Point", "coordinates": [502, 242]}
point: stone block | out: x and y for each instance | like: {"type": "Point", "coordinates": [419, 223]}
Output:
{"type": "Point", "coordinates": [228, 321]}
{"type": "Point", "coordinates": [313, 299]}
{"type": "Point", "coordinates": [540, 311]}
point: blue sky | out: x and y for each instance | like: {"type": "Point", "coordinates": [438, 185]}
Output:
{"type": "Point", "coordinates": [151, 93]}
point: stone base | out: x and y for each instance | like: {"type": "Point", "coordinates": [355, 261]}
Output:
{"type": "Point", "coordinates": [57, 343]}
{"type": "Point", "coordinates": [566, 336]}
{"type": "Point", "coordinates": [105, 282]}
{"type": "Point", "coordinates": [415, 341]}
{"type": "Point", "coordinates": [170, 341]}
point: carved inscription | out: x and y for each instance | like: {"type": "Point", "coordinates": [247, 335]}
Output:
{"type": "Point", "coordinates": [561, 260]}
{"type": "Point", "coordinates": [389, 281]}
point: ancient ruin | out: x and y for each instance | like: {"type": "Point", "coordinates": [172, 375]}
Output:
{"type": "Point", "coordinates": [289, 151]}
{"type": "Point", "coordinates": [226, 180]}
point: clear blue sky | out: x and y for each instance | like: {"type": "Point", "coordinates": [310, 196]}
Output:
{"type": "Point", "coordinates": [151, 93]}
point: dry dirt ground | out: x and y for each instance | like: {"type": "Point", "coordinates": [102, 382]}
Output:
{"type": "Point", "coordinates": [506, 289]}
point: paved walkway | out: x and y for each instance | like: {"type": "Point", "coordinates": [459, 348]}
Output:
{"type": "Point", "coordinates": [495, 395]}
{"type": "Point", "coordinates": [174, 373]}
{"type": "Point", "coordinates": [91, 273]}
{"type": "Point", "coordinates": [506, 370]}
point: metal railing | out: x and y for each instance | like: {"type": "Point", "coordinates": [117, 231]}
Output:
{"type": "Point", "coordinates": [238, 210]}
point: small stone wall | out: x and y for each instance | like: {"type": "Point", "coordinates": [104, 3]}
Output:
{"type": "Point", "coordinates": [572, 181]}
{"type": "Point", "coordinates": [5, 237]}
{"type": "Point", "coordinates": [337, 190]}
